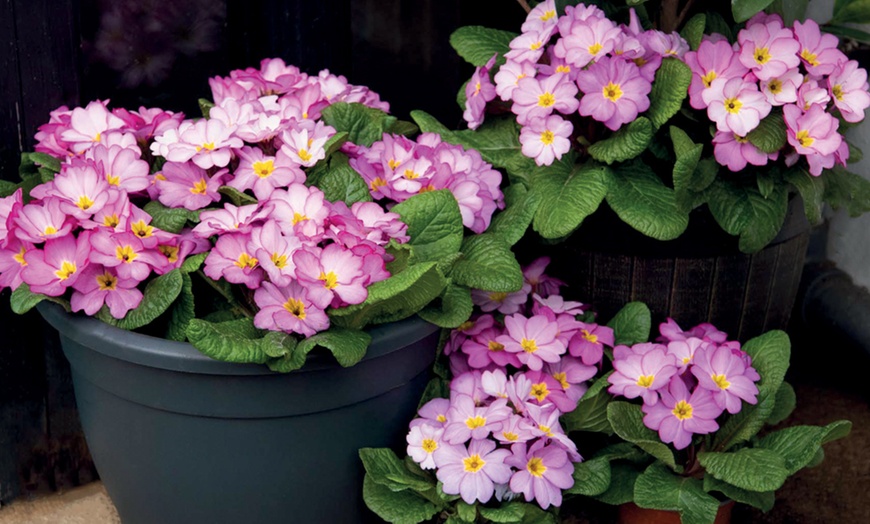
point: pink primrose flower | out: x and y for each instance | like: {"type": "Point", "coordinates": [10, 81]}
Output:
{"type": "Point", "coordinates": [300, 209]}
{"type": "Point", "coordinates": [231, 259]}
{"type": "Point", "coordinates": [177, 248]}
{"type": "Point", "coordinates": [768, 49]}
{"type": "Point", "coordinates": [848, 85]}
{"type": "Point", "coordinates": [470, 383]}
{"type": "Point", "coordinates": [641, 375]}
{"type": "Point", "coordinates": [735, 105]}
{"type": "Point", "coordinates": [37, 222]}
{"type": "Point", "coordinates": [187, 185]}
{"type": "Point", "coordinates": [466, 330]}
{"type": "Point", "coordinates": [724, 373]}
{"type": "Point", "coordinates": [684, 351]}
{"type": "Point", "coordinates": [548, 390]}
{"type": "Point", "coordinates": [9, 207]}
{"type": "Point", "coordinates": [88, 124]}
{"type": "Point", "coordinates": [557, 304]}
{"type": "Point", "coordinates": [534, 340]}
{"type": "Point", "coordinates": [122, 167]}
{"type": "Point", "coordinates": [818, 51]}
{"type": "Point", "coordinates": [578, 13]}
{"type": "Point", "coordinates": [712, 60]}
{"type": "Point", "coordinates": [529, 45]}
{"type": "Point", "coordinates": [114, 215]}
{"type": "Point", "coordinates": [809, 93]}
{"type": "Point", "coordinates": [734, 151]}
{"type": "Point", "coordinates": [433, 413]}
{"type": "Point", "coordinates": [290, 308]}
{"type": "Point", "coordinates": [623, 351]}
{"type": "Point", "coordinates": [423, 440]}
{"type": "Point", "coordinates": [138, 222]}
{"type": "Point", "coordinates": [274, 252]}
{"type": "Point", "coordinates": [545, 421]}
{"type": "Point", "coordinates": [98, 285]}
{"type": "Point", "coordinates": [679, 415]}
{"type": "Point", "coordinates": [81, 189]}
{"type": "Point", "coordinates": [614, 92]}
{"type": "Point", "coordinates": [541, 283]}
{"type": "Point", "coordinates": [125, 253]}
{"type": "Point", "coordinates": [230, 219]}
{"type": "Point", "coordinates": [465, 420]}
{"type": "Point", "coordinates": [782, 90]}
{"type": "Point", "coordinates": [263, 173]}
{"type": "Point", "coordinates": [586, 41]}
{"type": "Point", "coordinates": [505, 303]}
{"type": "Point", "coordinates": [509, 75]}
{"type": "Point", "coordinates": [333, 272]}
{"type": "Point", "coordinates": [146, 123]}
{"type": "Point", "coordinates": [484, 349]}
{"type": "Point", "coordinates": [48, 136]}
{"type": "Point", "coordinates": [541, 16]}
{"type": "Point", "coordinates": [571, 374]}
{"type": "Point", "coordinates": [664, 44]}
{"type": "Point", "coordinates": [478, 92]}
{"type": "Point", "coordinates": [308, 101]}
{"type": "Point", "coordinates": [472, 472]}
{"type": "Point", "coordinates": [13, 262]}
{"type": "Point", "coordinates": [381, 226]}
{"type": "Point", "coordinates": [207, 143]}
{"type": "Point", "coordinates": [588, 344]}
{"type": "Point", "coordinates": [670, 331]}
{"type": "Point", "coordinates": [234, 113]}
{"type": "Point", "coordinates": [57, 266]}
{"type": "Point", "coordinates": [543, 471]}
{"type": "Point", "coordinates": [557, 66]}
{"type": "Point", "coordinates": [304, 145]}
{"type": "Point", "coordinates": [814, 135]}
{"type": "Point", "coordinates": [514, 429]}
{"type": "Point", "coordinates": [539, 97]}
{"type": "Point", "coordinates": [546, 139]}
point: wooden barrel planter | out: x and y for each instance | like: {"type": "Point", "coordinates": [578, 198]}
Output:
{"type": "Point", "coordinates": [699, 277]}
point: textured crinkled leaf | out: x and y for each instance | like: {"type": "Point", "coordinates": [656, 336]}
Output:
{"type": "Point", "coordinates": [687, 154]}
{"type": "Point", "coordinates": [566, 199]}
{"type": "Point", "coordinates": [642, 201]}
{"type": "Point", "coordinates": [237, 198]}
{"type": "Point", "coordinates": [340, 182]}
{"type": "Point", "coordinates": [46, 161]}
{"type": "Point", "coordinates": [812, 191]}
{"type": "Point", "coordinates": [598, 385]}
{"type": "Point", "coordinates": [7, 188]}
{"type": "Point", "coordinates": [767, 182]}
{"type": "Point", "coordinates": [743, 10]}
{"type": "Point", "coordinates": [627, 421]}
{"type": "Point", "coordinates": [232, 341]}
{"type": "Point", "coordinates": [385, 468]}
{"type": "Point", "coordinates": [770, 135]}
{"type": "Point", "coordinates": [622, 480]}
{"type": "Point", "coordinates": [512, 222]}
{"type": "Point", "coordinates": [487, 264]}
{"type": "Point", "coordinates": [397, 507]}
{"type": "Point", "coordinates": [193, 262]}
{"type": "Point", "coordinates": [169, 219]}
{"type": "Point", "coordinates": [625, 144]}
{"type": "Point", "coordinates": [670, 88]}
{"type": "Point", "coordinates": [334, 143]}
{"type": "Point", "coordinates": [591, 477]}
{"type": "Point", "coordinates": [851, 12]}
{"type": "Point", "coordinates": [434, 224]}
{"type": "Point", "coordinates": [658, 488]}
{"type": "Point", "coordinates": [784, 403]}
{"type": "Point", "coordinates": [762, 500]}
{"type": "Point", "coordinates": [466, 512]}
{"type": "Point", "coordinates": [704, 174]}
{"type": "Point", "coordinates": [158, 296]}
{"type": "Point", "coordinates": [347, 345]}
{"type": "Point", "coordinates": [846, 189]}
{"type": "Point", "coordinates": [403, 127]}
{"type": "Point", "coordinates": [791, 10]}
{"type": "Point", "coordinates": [395, 298]}
{"type": "Point", "coordinates": [765, 220]}
{"type": "Point", "coordinates": [205, 106]}
{"type": "Point", "coordinates": [693, 30]}
{"type": "Point", "coordinates": [182, 311]}
{"type": "Point", "coordinates": [590, 415]}
{"type": "Point", "coordinates": [364, 125]}
{"type": "Point", "coordinates": [729, 206]}
{"type": "Point", "coordinates": [23, 300]}
{"type": "Point", "coordinates": [752, 469]}
{"type": "Point", "coordinates": [798, 445]}
{"type": "Point", "coordinates": [430, 124]}
{"type": "Point", "coordinates": [455, 307]}
{"type": "Point", "coordinates": [477, 44]}
{"type": "Point", "coordinates": [509, 513]}
{"type": "Point", "coordinates": [632, 324]}
{"type": "Point", "coordinates": [843, 31]}
{"type": "Point", "coordinates": [535, 515]}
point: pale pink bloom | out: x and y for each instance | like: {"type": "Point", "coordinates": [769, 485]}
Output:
{"type": "Point", "coordinates": [207, 142]}
{"type": "Point", "coordinates": [509, 75]}
{"type": "Point", "coordinates": [505, 303]}
{"type": "Point", "coordinates": [543, 285]}
{"type": "Point", "coordinates": [547, 390]}
{"type": "Point", "coordinates": [541, 16]}
{"type": "Point", "coordinates": [48, 137]}
{"type": "Point", "coordinates": [234, 113]}
{"type": "Point", "coordinates": [98, 285]}
{"type": "Point", "coordinates": [670, 331]}
{"type": "Point", "coordinates": [681, 414]}
{"type": "Point", "coordinates": [712, 60]}
{"type": "Point", "coordinates": [232, 260]}
{"type": "Point", "coordinates": [539, 97]}
{"type": "Point", "coordinates": [263, 173]}
{"type": "Point", "coordinates": [684, 351]}
{"type": "Point", "coordinates": [9, 206]}
{"type": "Point", "coordinates": [470, 383]}
{"type": "Point", "coordinates": [381, 225]}
{"type": "Point", "coordinates": [176, 248]}
{"type": "Point", "coordinates": [578, 14]}
{"type": "Point", "coordinates": [484, 349]}
{"type": "Point", "coordinates": [465, 420]}
{"type": "Point", "coordinates": [514, 429]}
{"type": "Point", "coordinates": [146, 123]}
{"type": "Point", "coordinates": [726, 375]}
{"type": "Point", "coordinates": [782, 90]}
{"type": "Point", "coordinates": [187, 185]}
{"type": "Point", "coordinates": [534, 340]}
{"type": "Point", "coordinates": [37, 222]}
{"type": "Point", "coordinates": [734, 151]}
{"type": "Point", "coordinates": [123, 168]}
{"type": "Point", "coordinates": [664, 44]}
{"type": "Point", "coordinates": [432, 413]}
{"type": "Point", "coordinates": [614, 92]}
{"type": "Point", "coordinates": [308, 101]}
{"type": "Point", "coordinates": [589, 342]}
{"type": "Point", "coordinates": [222, 88]}
{"type": "Point", "coordinates": [230, 219]}
{"type": "Point", "coordinates": [736, 105]}
{"type": "Point", "coordinates": [848, 85]}
{"type": "Point", "coordinates": [88, 124]}
{"type": "Point", "coordinates": [586, 40]}
{"type": "Point", "coordinates": [557, 304]}
{"type": "Point", "coordinates": [12, 262]}
{"type": "Point", "coordinates": [768, 49]}
{"type": "Point", "coordinates": [818, 51]}
{"type": "Point", "coordinates": [478, 91]}
{"type": "Point", "coordinates": [334, 272]}
{"type": "Point", "coordinates": [640, 375]}
{"type": "Point", "coordinates": [423, 440]}
{"type": "Point", "coordinates": [124, 252]}
{"type": "Point", "coordinates": [274, 252]}
{"type": "Point", "coordinates": [299, 208]}
{"type": "Point", "coordinates": [545, 420]}
{"type": "Point", "coordinates": [114, 215]}
{"type": "Point", "coordinates": [542, 472]}
{"type": "Point", "coordinates": [809, 93]}
{"type": "Point", "coordinates": [557, 66]}
{"type": "Point", "coordinates": [814, 135]}
{"type": "Point", "coordinates": [546, 139]}
{"type": "Point", "coordinates": [290, 308]}
{"type": "Point", "coordinates": [81, 189]}
{"type": "Point", "coordinates": [304, 145]}
{"type": "Point", "coordinates": [571, 374]}
{"type": "Point", "coordinates": [473, 472]}
{"type": "Point", "coordinates": [529, 46]}
{"type": "Point", "coordinates": [57, 266]}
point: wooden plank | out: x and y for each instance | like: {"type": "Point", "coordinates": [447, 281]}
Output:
{"type": "Point", "coordinates": [691, 290]}
{"type": "Point", "coordinates": [757, 296]}
{"type": "Point", "coordinates": [786, 279]}
{"type": "Point", "coordinates": [728, 292]}
{"type": "Point", "coordinates": [611, 287]}
{"type": "Point", "coordinates": [651, 279]}
{"type": "Point", "coordinates": [10, 94]}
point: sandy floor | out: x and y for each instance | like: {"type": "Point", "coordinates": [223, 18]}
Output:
{"type": "Point", "coordinates": [85, 505]}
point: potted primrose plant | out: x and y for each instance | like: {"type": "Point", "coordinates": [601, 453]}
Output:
{"type": "Point", "coordinates": [204, 248]}
{"type": "Point", "coordinates": [676, 168]}
{"type": "Point", "coordinates": [508, 430]}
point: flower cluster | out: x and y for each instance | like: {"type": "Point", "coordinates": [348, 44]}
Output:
{"type": "Point", "coordinates": [686, 380]}
{"type": "Point", "coordinates": [499, 432]}
{"type": "Point", "coordinates": [86, 230]}
{"type": "Point", "coordinates": [578, 63]}
{"type": "Point", "coordinates": [799, 70]}
{"type": "Point", "coordinates": [398, 168]}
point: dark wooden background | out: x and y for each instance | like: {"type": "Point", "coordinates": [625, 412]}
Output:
{"type": "Point", "coordinates": [161, 53]}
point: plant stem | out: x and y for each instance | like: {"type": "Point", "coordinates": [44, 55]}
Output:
{"type": "Point", "coordinates": [525, 5]}
{"type": "Point", "coordinates": [672, 17]}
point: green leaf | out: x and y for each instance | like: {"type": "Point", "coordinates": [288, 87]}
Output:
{"type": "Point", "coordinates": [770, 135]}
{"type": "Point", "coordinates": [512, 222]}
{"type": "Point", "coordinates": [509, 513]}
{"type": "Point", "coordinates": [23, 300]}
{"type": "Point", "coordinates": [744, 9]}
{"type": "Point", "coordinates": [567, 199]}
{"type": "Point", "coordinates": [535, 515]}
{"type": "Point", "coordinates": [658, 488]}
{"type": "Point", "coordinates": [851, 12]}
{"type": "Point", "coordinates": [625, 144]}
{"type": "Point", "coordinates": [487, 264]}
{"type": "Point", "coordinates": [798, 445]}
{"type": "Point", "coordinates": [716, 23]}
{"type": "Point", "coordinates": [348, 346]}
{"type": "Point", "coordinates": [670, 88]}
{"type": "Point", "coordinates": [397, 507]}
{"type": "Point", "coordinates": [847, 32]}
{"type": "Point", "coordinates": [688, 154]}
{"type": "Point", "coordinates": [766, 219]}
{"type": "Point", "coordinates": [591, 477]}
{"type": "Point", "coordinates": [784, 403]}
{"type": "Point", "coordinates": [182, 311]}
{"type": "Point", "coordinates": [632, 324]}
{"type": "Point", "coordinates": [642, 201]}
{"type": "Point", "coordinates": [231, 341]}
{"type": "Point", "coordinates": [762, 500]}
{"type": "Point", "coordinates": [395, 298]}
{"type": "Point", "coordinates": [46, 161]}
{"type": "Point", "coordinates": [335, 142]}
{"type": "Point", "coordinates": [159, 294]}
{"type": "Point", "coordinates": [205, 106]}
{"type": "Point", "coordinates": [812, 191]}
{"type": "Point", "coordinates": [404, 128]}
{"type": "Point", "coordinates": [693, 30]}
{"type": "Point", "coordinates": [704, 175]}
{"type": "Point", "coordinates": [791, 10]}
{"type": "Point", "coordinates": [340, 182]}
{"type": "Point", "coordinates": [364, 125]}
{"type": "Point", "coordinates": [846, 189]}
{"type": "Point", "coordinates": [622, 480]}
{"type": "Point", "coordinates": [435, 388]}
{"type": "Point", "coordinates": [752, 469]}
{"type": "Point", "coordinates": [466, 512]}
{"type": "Point", "coordinates": [589, 415]}
{"type": "Point", "coordinates": [385, 468]}
{"type": "Point", "coordinates": [169, 219]}
{"type": "Point", "coordinates": [193, 263]}
{"type": "Point", "coordinates": [434, 224]}
{"type": "Point", "coordinates": [237, 197]}
{"type": "Point", "coordinates": [477, 44]}
{"type": "Point", "coordinates": [455, 308]}
{"type": "Point", "coordinates": [7, 188]}
{"type": "Point", "coordinates": [627, 422]}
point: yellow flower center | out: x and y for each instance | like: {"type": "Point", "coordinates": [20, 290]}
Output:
{"type": "Point", "coordinates": [529, 346]}
{"type": "Point", "coordinates": [837, 91]}
{"type": "Point", "coordinates": [612, 92]}
{"type": "Point", "coordinates": [113, 180]}
{"type": "Point", "coordinates": [429, 445]}
{"type": "Point", "coordinates": [562, 378]}
{"type": "Point", "coordinates": [330, 280]}
{"type": "Point", "coordinates": [377, 183]}
{"type": "Point", "coordinates": [474, 463]}
{"type": "Point", "coordinates": [295, 308]}
{"type": "Point", "coordinates": [708, 78]}
{"type": "Point", "coordinates": [67, 269]}
{"type": "Point", "coordinates": [19, 257]}
{"type": "Point", "coordinates": [762, 55]}
{"type": "Point", "coordinates": [107, 282]}
{"type": "Point", "coordinates": [111, 220]}
{"type": "Point", "coordinates": [200, 187]}
{"type": "Point", "coordinates": [810, 57]}
{"type": "Point", "coordinates": [298, 217]}
{"type": "Point", "coordinates": [304, 155]}
{"type": "Point", "coordinates": [279, 260]}
{"type": "Point", "coordinates": [141, 229]}
{"type": "Point", "coordinates": [426, 189]}
{"type": "Point", "coordinates": [97, 137]}
{"type": "Point", "coordinates": [49, 230]}
{"type": "Point", "coordinates": [548, 15]}
{"type": "Point", "coordinates": [563, 69]}
{"type": "Point", "coordinates": [410, 174]}
{"type": "Point", "coordinates": [497, 296]}
{"type": "Point", "coordinates": [263, 168]}
{"type": "Point", "coordinates": [393, 163]}
{"type": "Point", "coordinates": [536, 467]}
{"type": "Point", "coordinates": [246, 260]}
{"type": "Point", "coordinates": [595, 48]}
{"type": "Point", "coordinates": [208, 146]}
{"type": "Point", "coordinates": [465, 326]}
{"type": "Point", "coordinates": [84, 202]}
{"type": "Point", "coordinates": [441, 418]}
{"type": "Point", "coordinates": [540, 391]}
{"type": "Point", "coordinates": [510, 436]}
{"type": "Point", "coordinates": [732, 105]}
{"type": "Point", "coordinates": [495, 346]}
{"type": "Point", "coordinates": [546, 100]}
{"type": "Point", "coordinates": [475, 422]}
{"type": "Point", "coordinates": [721, 381]}
{"type": "Point", "coordinates": [589, 336]}
{"type": "Point", "coordinates": [740, 139]}
{"type": "Point", "coordinates": [645, 381]}
{"type": "Point", "coordinates": [775, 86]}
{"type": "Point", "coordinates": [546, 430]}
{"type": "Point", "coordinates": [682, 410]}
{"type": "Point", "coordinates": [639, 61]}
{"type": "Point", "coordinates": [547, 137]}
{"type": "Point", "coordinates": [804, 139]}
{"type": "Point", "coordinates": [126, 254]}
{"type": "Point", "coordinates": [534, 46]}
{"type": "Point", "coordinates": [170, 252]}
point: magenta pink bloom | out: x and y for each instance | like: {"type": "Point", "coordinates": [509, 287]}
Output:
{"type": "Point", "coordinates": [466, 420]}
{"type": "Point", "coordinates": [187, 185]}
{"type": "Point", "coordinates": [472, 472]}
{"type": "Point", "coordinates": [641, 375]}
{"type": "Point", "coordinates": [542, 472]}
{"type": "Point", "coordinates": [433, 413]}
{"type": "Point", "coordinates": [818, 51]}
{"type": "Point", "coordinates": [484, 349]}
{"type": "Point", "coordinates": [505, 303]}
{"type": "Point", "coordinates": [230, 219]}
{"type": "Point", "coordinates": [300, 209]}
{"type": "Point", "coordinates": [679, 415]}
{"type": "Point", "coordinates": [712, 60]}
{"type": "Point", "coordinates": [207, 143]}
{"type": "Point", "coordinates": [734, 151]}
{"type": "Point", "coordinates": [304, 144]}
{"type": "Point", "coordinates": [848, 85]}
{"type": "Point", "coordinates": [539, 97]}
{"type": "Point", "coordinates": [614, 92]}
{"type": "Point", "coordinates": [509, 75]}
{"type": "Point", "coordinates": [586, 41]}
{"type": "Point", "coordinates": [542, 284]}
{"type": "Point", "coordinates": [768, 49]}
{"type": "Point", "coordinates": [87, 126]}
{"type": "Point", "coordinates": [231, 259]}
{"type": "Point", "coordinates": [736, 105]}
{"type": "Point", "coordinates": [557, 304]}
{"type": "Point", "coordinates": [589, 342]}
{"type": "Point", "coordinates": [546, 139]}
{"type": "Point", "coordinates": [724, 373]}
{"type": "Point", "coordinates": [57, 266]}
{"type": "Point", "coordinates": [469, 382]}
{"type": "Point", "coordinates": [542, 16]}
{"type": "Point", "coordinates": [291, 309]}
{"type": "Point", "coordinates": [334, 273]}
{"type": "Point", "coordinates": [782, 89]}
{"type": "Point", "coordinates": [534, 340]}
{"type": "Point", "coordinates": [571, 374]}
{"type": "Point", "coordinates": [37, 222]}
{"type": "Point", "coordinates": [529, 45]}
{"type": "Point", "coordinates": [9, 206]}
{"type": "Point", "coordinates": [274, 252]}
{"type": "Point", "coordinates": [684, 351]}
{"type": "Point", "coordinates": [514, 429]}
{"type": "Point", "coordinates": [547, 390]}
{"type": "Point", "coordinates": [423, 441]}
{"type": "Point", "coordinates": [381, 226]}
{"type": "Point", "coordinates": [125, 253]}
{"type": "Point", "coordinates": [809, 93]}
{"type": "Point", "coordinates": [545, 420]}
{"type": "Point", "coordinates": [82, 190]}
{"type": "Point", "coordinates": [98, 285]}
{"type": "Point", "coordinates": [814, 135]}
{"type": "Point", "coordinates": [12, 262]}
{"type": "Point", "coordinates": [478, 92]}
{"type": "Point", "coordinates": [122, 167]}
{"type": "Point", "coordinates": [670, 331]}
{"type": "Point", "coordinates": [262, 173]}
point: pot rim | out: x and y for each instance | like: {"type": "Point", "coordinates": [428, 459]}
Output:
{"type": "Point", "coordinates": [171, 355]}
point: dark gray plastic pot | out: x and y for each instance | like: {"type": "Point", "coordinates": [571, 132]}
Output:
{"type": "Point", "coordinates": [180, 438]}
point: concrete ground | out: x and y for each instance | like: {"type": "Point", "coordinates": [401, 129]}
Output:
{"type": "Point", "coordinates": [84, 505]}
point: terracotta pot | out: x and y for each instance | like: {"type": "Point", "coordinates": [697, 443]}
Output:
{"type": "Point", "coordinates": [631, 513]}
